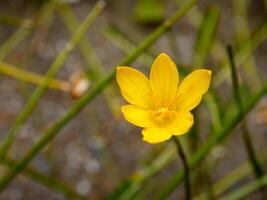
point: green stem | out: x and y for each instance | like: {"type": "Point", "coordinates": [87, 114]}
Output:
{"type": "Point", "coordinates": [38, 93]}
{"type": "Point", "coordinates": [182, 155]}
{"type": "Point", "coordinates": [13, 41]}
{"type": "Point", "coordinates": [247, 189]}
{"type": "Point", "coordinates": [166, 157]}
{"type": "Point", "coordinates": [205, 39]}
{"type": "Point", "coordinates": [173, 44]}
{"type": "Point", "coordinates": [90, 95]}
{"type": "Point", "coordinates": [195, 17]}
{"type": "Point", "coordinates": [233, 177]}
{"type": "Point", "coordinates": [46, 180]}
{"type": "Point", "coordinates": [214, 110]}
{"type": "Point", "coordinates": [94, 65]}
{"type": "Point", "coordinates": [27, 76]}
{"type": "Point", "coordinates": [242, 33]}
{"type": "Point", "coordinates": [258, 171]}
{"type": "Point", "coordinates": [245, 133]}
{"type": "Point", "coordinates": [245, 51]}
{"type": "Point", "coordinates": [14, 21]}
{"type": "Point", "coordinates": [206, 36]}
{"type": "Point", "coordinates": [94, 69]}
{"type": "Point", "coordinates": [115, 36]}
{"type": "Point", "coordinates": [215, 139]}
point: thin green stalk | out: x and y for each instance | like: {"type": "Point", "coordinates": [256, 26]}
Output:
{"type": "Point", "coordinates": [17, 37]}
{"type": "Point", "coordinates": [26, 26]}
{"type": "Point", "coordinates": [38, 93]}
{"type": "Point", "coordinates": [124, 44]}
{"type": "Point", "coordinates": [182, 155]}
{"type": "Point", "coordinates": [247, 189]}
{"type": "Point", "coordinates": [13, 41]}
{"type": "Point", "coordinates": [245, 51]}
{"type": "Point", "coordinates": [214, 111]}
{"type": "Point", "coordinates": [115, 36]}
{"type": "Point", "coordinates": [245, 134]}
{"type": "Point", "coordinates": [173, 44]}
{"type": "Point", "coordinates": [46, 16]}
{"type": "Point", "coordinates": [89, 96]}
{"type": "Point", "coordinates": [14, 21]}
{"type": "Point", "coordinates": [43, 23]}
{"type": "Point", "coordinates": [95, 69]}
{"type": "Point", "coordinates": [167, 156]}
{"type": "Point", "coordinates": [47, 181]}
{"type": "Point", "coordinates": [195, 17]}
{"type": "Point", "coordinates": [205, 39]}
{"type": "Point", "coordinates": [27, 76]}
{"type": "Point", "coordinates": [215, 139]}
{"type": "Point", "coordinates": [37, 28]}
{"type": "Point", "coordinates": [93, 63]}
{"type": "Point", "coordinates": [234, 176]}
{"type": "Point", "coordinates": [206, 36]}
{"type": "Point", "coordinates": [242, 32]}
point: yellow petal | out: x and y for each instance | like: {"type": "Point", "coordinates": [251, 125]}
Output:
{"type": "Point", "coordinates": [137, 116]}
{"type": "Point", "coordinates": [134, 86]}
{"type": "Point", "coordinates": [182, 123]}
{"type": "Point", "coordinates": [192, 88]}
{"type": "Point", "coordinates": [164, 80]}
{"type": "Point", "coordinates": [155, 135]}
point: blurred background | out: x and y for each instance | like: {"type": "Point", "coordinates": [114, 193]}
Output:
{"type": "Point", "coordinates": [100, 156]}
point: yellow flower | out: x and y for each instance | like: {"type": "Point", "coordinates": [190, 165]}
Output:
{"type": "Point", "coordinates": [159, 104]}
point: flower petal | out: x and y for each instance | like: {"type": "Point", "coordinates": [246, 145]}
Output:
{"type": "Point", "coordinates": [136, 115]}
{"type": "Point", "coordinates": [164, 80]}
{"type": "Point", "coordinates": [155, 134]}
{"type": "Point", "coordinates": [182, 123]}
{"type": "Point", "coordinates": [192, 88]}
{"type": "Point", "coordinates": [134, 86]}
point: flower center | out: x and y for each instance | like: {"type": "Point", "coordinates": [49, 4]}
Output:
{"type": "Point", "coordinates": [163, 115]}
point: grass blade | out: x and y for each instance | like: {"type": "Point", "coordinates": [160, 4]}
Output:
{"type": "Point", "coordinates": [247, 189]}
{"type": "Point", "coordinates": [95, 69]}
{"type": "Point", "coordinates": [245, 51]}
{"type": "Point", "coordinates": [234, 176]}
{"type": "Point", "coordinates": [27, 76]}
{"type": "Point", "coordinates": [46, 181]}
{"type": "Point", "coordinates": [245, 134]}
{"type": "Point", "coordinates": [206, 36]}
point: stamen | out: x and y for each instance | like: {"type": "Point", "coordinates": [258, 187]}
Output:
{"type": "Point", "coordinates": [163, 115]}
